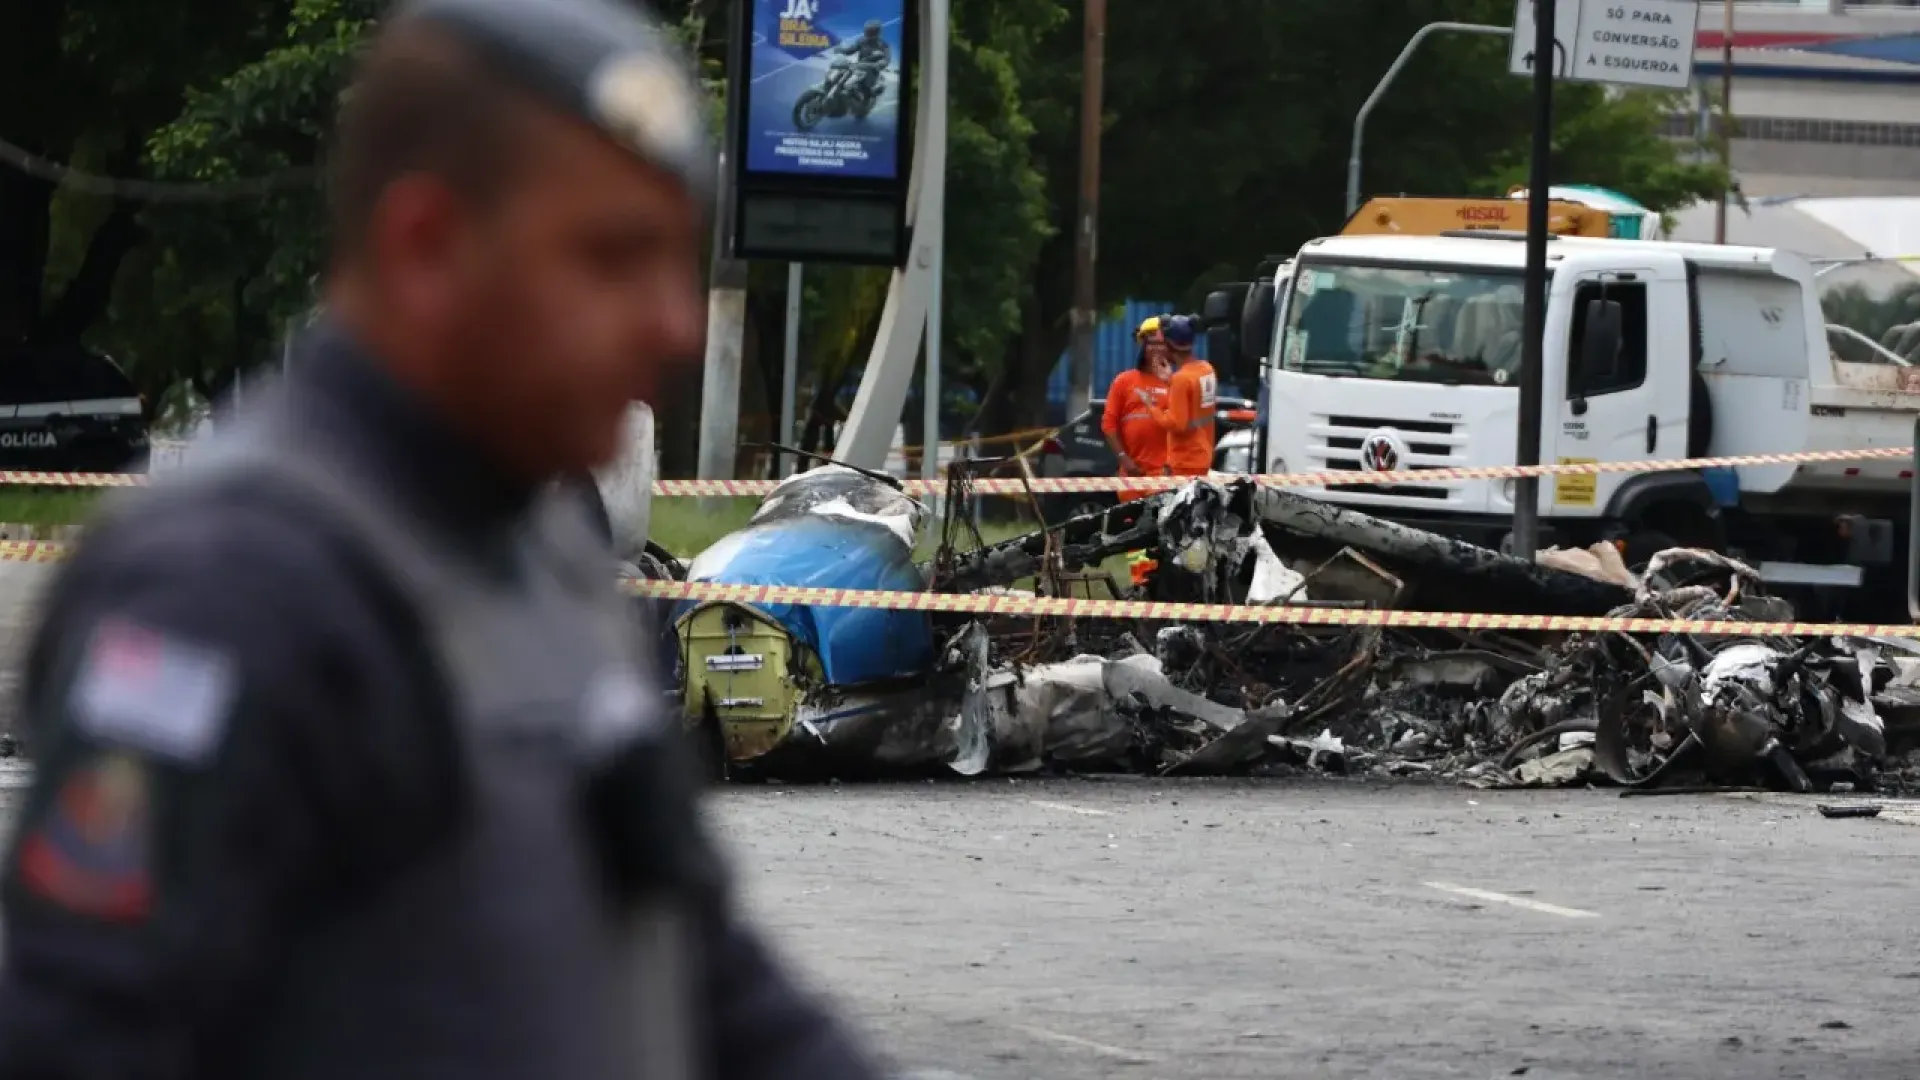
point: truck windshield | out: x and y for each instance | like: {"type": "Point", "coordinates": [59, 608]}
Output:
{"type": "Point", "coordinates": [1405, 323]}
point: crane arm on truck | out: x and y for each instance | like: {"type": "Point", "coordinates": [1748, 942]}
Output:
{"type": "Point", "coordinates": [1426, 216]}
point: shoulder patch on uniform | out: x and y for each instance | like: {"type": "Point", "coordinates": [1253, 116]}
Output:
{"type": "Point", "coordinates": [90, 851]}
{"type": "Point", "coordinates": [151, 691]}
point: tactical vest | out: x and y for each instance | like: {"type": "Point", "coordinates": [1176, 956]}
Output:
{"type": "Point", "coordinates": [510, 951]}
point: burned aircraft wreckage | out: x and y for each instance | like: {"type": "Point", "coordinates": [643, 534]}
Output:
{"type": "Point", "coordinates": [799, 691]}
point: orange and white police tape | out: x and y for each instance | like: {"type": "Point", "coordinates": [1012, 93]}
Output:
{"type": "Point", "coordinates": [33, 551]}
{"type": "Point", "coordinates": [1003, 604]}
{"type": "Point", "coordinates": [19, 478]}
{"type": "Point", "coordinates": [1078, 484]}
{"type": "Point", "coordinates": [1059, 484]}
{"type": "Point", "coordinates": [1015, 605]}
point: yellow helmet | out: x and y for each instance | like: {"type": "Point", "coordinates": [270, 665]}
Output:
{"type": "Point", "coordinates": [1148, 327]}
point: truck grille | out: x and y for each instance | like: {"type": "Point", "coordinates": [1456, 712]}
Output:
{"type": "Point", "coordinates": [1334, 445]}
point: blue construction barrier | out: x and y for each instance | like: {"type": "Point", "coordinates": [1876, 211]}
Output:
{"type": "Point", "coordinates": [1114, 351]}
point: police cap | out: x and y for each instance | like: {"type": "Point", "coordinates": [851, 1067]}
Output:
{"type": "Point", "coordinates": [601, 61]}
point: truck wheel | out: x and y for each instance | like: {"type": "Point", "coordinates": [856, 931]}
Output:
{"type": "Point", "coordinates": [1670, 525]}
{"type": "Point", "coordinates": [1643, 545]}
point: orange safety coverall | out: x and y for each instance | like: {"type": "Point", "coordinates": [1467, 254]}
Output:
{"type": "Point", "coordinates": [1129, 418]}
{"type": "Point", "coordinates": [1187, 418]}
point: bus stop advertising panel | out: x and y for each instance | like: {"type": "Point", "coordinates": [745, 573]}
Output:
{"type": "Point", "coordinates": [825, 95]}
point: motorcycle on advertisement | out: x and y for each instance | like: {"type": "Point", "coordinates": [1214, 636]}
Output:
{"type": "Point", "coordinates": [840, 94]}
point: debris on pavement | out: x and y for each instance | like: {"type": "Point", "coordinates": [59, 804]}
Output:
{"type": "Point", "coordinates": [1091, 713]}
{"type": "Point", "coordinates": [797, 681]}
{"type": "Point", "coordinates": [1601, 562]}
{"type": "Point", "coordinates": [791, 691]}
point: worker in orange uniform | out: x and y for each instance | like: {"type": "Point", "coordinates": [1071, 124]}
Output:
{"type": "Point", "coordinates": [1133, 434]}
{"type": "Point", "coordinates": [1193, 395]}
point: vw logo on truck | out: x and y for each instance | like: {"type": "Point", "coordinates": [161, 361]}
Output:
{"type": "Point", "coordinates": [1381, 451]}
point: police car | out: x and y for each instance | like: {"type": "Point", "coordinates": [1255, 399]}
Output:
{"type": "Point", "coordinates": [69, 410]}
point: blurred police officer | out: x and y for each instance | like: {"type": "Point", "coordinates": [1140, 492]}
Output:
{"type": "Point", "coordinates": [345, 766]}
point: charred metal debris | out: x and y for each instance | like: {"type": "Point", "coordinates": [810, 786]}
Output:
{"type": "Point", "coordinates": [794, 693]}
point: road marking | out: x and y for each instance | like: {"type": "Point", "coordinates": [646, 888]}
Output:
{"type": "Point", "coordinates": [1118, 1053]}
{"type": "Point", "coordinates": [1515, 901]}
{"type": "Point", "coordinates": [1069, 808]}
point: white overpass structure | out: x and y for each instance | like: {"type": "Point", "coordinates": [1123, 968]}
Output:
{"type": "Point", "coordinates": [1826, 95]}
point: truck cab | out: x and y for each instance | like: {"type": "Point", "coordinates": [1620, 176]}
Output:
{"type": "Point", "coordinates": [1397, 353]}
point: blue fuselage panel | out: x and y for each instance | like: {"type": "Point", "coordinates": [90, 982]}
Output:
{"type": "Point", "coordinates": [855, 645]}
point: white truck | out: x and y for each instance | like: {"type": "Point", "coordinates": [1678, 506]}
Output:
{"type": "Point", "coordinates": [1388, 353]}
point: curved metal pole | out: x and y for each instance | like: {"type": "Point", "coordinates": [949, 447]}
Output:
{"type": "Point", "coordinates": [888, 378]}
{"type": "Point", "coordinates": [1380, 90]}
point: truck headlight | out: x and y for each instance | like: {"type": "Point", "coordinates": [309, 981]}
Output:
{"type": "Point", "coordinates": [1277, 465]}
{"type": "Point", "coordinates": [1509, 489]}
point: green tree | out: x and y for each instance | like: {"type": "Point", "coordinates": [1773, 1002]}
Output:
{"type": "Point", "coordinates": [234, 273]}
{"type": "Point", "coordinates": [1226, 135]}
{"type": "Point", "coordinates": [86, 82]}
{"type": "Point", "coordinates": [1616, 142]}
{"type": "Point", "coordinates": [1225, 138]}
{"type": "Point", "coordinates": [239, 271]}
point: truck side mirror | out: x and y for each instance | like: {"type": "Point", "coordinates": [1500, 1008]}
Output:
{"type": "Point", "coordinates": [1599, 346]}
{"type": "Point", "coordinates": [1220, 315]}
{"type": "Point", "coordinates": [1222, 305]}
{"type": "Point", "coordinates": [1223, 348]}
{"type": "Point", "coordinates": [1256, 331]}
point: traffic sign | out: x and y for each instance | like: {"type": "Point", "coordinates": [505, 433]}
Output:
{"type": "Point", "coordinates": [1627, 42]}
{"type": "Point", "coordinates": [1520, 54]}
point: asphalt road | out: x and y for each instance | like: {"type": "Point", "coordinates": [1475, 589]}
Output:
{"type": "Point", "coordinates": [1081, 929]}
{"type": "Point", "coordinates": [20, 585]}
{"type": "Point", "coordinates": [1068, 930]}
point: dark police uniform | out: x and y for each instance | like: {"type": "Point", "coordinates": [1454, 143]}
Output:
{"type": "Point", "coordinates": [346, 771]}
{"type": "Point", "coordinates": [348, 763]}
